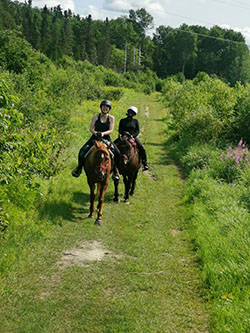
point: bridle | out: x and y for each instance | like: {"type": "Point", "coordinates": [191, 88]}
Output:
{"type": "Point", "coordinates": [102, 167]}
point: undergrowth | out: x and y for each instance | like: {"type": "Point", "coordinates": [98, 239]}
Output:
{"type": "Point", "coordinates": [208, 139]}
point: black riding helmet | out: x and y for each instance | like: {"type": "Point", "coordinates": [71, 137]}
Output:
{"type": "Point", "coordinates": [106, 102]}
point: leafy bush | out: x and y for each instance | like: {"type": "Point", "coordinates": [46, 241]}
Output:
{"type": "Point", "coordinates": [112, 93]}
{"type": "Point", "coordinates": [231, 162]}
{"type": "Point", "coordinates": [207, 119]}
{"type": "Point", "coordinates": [198, 157]}
{"type": "Point", "coordinates": [202, 109]}
{"type": "Point", "coordinates": [242, 113]}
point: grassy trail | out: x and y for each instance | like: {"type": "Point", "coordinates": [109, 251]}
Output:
{"type": "Point", "coordinates": [136, 273]}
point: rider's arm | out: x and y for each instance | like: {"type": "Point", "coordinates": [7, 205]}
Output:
{"type": "Point", "coordinates": [137, 128]}
{"type": "Point", "coordinates": [92, 124]}
{"type": "Point", "coordinates": [120, 130]}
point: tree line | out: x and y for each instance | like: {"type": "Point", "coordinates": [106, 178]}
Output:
{"type": "Point", "coordinates": [122, 44]}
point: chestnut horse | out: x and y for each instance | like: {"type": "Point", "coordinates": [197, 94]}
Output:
{"type": "Point", "coordinates": [128, 166]}
{"type": "Point", "coordinates": [97, 168]}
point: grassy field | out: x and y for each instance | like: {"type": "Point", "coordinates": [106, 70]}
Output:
{"type": "Point", "coordinates": [135, 273]}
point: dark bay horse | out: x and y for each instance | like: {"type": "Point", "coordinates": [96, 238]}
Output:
{"type": "Point", "coordinates": [128, 166]}
{"type": "Point", "coordinates": [97, 168]}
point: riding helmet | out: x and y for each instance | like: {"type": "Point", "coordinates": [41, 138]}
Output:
{"type": "Point", "coordinates": [134, 109]}
{"type": "Point", "coordinates": [106, 102]}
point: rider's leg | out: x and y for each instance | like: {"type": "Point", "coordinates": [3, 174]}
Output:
{"type": "Point", "coordinates": [143, 154]}
{"type": "Point", "coordinates": [81, 158]}
{"type": "Point", "coordinates": [116, 175]}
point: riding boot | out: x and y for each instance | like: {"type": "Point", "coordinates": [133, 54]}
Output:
{"type": "Point", "coordinates": [144, 165]}
{"type": "Point", "coordinates": [81, 160]}
{"type": "Point", "coordinates": [115, 175]}
{"type": "Point", "coordinates": [144, 159]}
{"type": "Point", "coordinates": [116, 152]}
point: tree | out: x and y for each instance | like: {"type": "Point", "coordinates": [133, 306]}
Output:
{"type": "Point", "coordinates": [90, 42]}
{"type": "Point", "coordinates": [45, 31]}
{"type": "Point", "coordinates": [141, 20]}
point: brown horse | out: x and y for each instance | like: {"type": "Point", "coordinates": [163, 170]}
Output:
{"type": "Point", "coordinates": [128, 166]}
{"type": "Point", "coordinates": [97, 168]}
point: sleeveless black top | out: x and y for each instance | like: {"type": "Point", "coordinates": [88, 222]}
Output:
{"type": "Point", "coordinates": [102, 127]}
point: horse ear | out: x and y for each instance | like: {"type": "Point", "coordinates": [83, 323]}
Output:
{"type": "Point", "coordinates": [97, 144]}
{"type": "Point", "coordinates": [109, 146]}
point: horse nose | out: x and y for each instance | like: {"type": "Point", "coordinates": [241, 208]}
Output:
{"type": "Point", "coordinates": [100, 174]}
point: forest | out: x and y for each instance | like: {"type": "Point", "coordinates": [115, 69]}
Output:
{"type": "Point", "coordinates": [123, 44]}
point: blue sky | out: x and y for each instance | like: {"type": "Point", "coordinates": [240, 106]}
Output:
{"type": "Point", "coordinates": [233, 14]}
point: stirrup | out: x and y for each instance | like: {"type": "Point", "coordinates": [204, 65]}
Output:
{"type": "Point", "coordinates": [116, 176]}
{"type": "Point", "coordinates": [76, 172]}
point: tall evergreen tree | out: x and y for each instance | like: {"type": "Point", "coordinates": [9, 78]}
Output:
{"type": "Point", "coordinates": [90, 42]}
{"type": "Point", "coordinates": [45, 31]}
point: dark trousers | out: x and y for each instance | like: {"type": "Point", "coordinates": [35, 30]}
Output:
{"type": "Point", "coordinates": [142, 150]}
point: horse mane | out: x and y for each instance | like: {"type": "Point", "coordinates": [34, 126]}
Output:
{"type": "Point", "coordinates": [100, 145]}
{"type": "Point", "coordinates": [126, 145]}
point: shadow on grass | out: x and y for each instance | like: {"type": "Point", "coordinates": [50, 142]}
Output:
{"type": "Point", "coordinates": [56, 211]}
{"type": "Point", "coordinates": [80, 197]}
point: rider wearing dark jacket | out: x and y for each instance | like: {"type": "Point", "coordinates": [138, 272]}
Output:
{"type": "Point", "coordinates": [131, 126]}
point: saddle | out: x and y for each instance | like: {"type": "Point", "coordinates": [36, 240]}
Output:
{"type": "Point", "coordinates": [128, 137]}
{"type": "Point", "coordinates": [106, 142]}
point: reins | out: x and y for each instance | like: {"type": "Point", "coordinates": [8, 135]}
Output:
{"type": "Point", "coordinates": [102, 167]}
{"type": "Point", "coordinates": [132, 147]}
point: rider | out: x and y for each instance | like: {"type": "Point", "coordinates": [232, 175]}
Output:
{"type": "Point", "coordinates": [131, 125]}
{"type": "Point", "coordinates": [101, 126]}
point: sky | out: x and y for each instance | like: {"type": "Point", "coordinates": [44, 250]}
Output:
{"type": "Point", "coordinates": [229, 14]}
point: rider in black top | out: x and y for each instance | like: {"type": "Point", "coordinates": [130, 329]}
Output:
{"type": "Point", "coordinates": [131, 125]}
{"type": "Point", "coordinates": [102, 125]}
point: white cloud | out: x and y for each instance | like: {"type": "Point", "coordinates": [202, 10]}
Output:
{"type": "Point", "coordinates": [124, 6]}
{"type": "Point", "coordinates": [65, 4]}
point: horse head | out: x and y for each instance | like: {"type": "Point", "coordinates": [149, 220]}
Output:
{"type": "Point", "coordinates": [102, 160]}
{"type": "Point", "coordinates": [126, 148]}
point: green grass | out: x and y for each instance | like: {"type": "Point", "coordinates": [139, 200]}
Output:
{"type": "Point", "coordinates": [151, 282]}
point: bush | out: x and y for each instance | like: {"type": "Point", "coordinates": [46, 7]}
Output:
{"type": "Point", "coordinates": [229, 165]}
{"type": "Point", "coordinates": [198, 157]}
{"type": "Point", "coordinates": [202, 109]}
{"type": "Point", "coordinates": [242, 113]}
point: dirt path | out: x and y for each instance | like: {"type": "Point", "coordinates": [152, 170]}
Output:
{"type": "Point", "coordinates": [137, 273]}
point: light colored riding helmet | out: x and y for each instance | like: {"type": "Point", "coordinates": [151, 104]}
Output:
{"type": "Point", "coordinates": [134, 109]}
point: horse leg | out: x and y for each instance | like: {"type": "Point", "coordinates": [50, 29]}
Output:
{"type": "Point", "coordinates": [127, 185]}
{"type": "Point", "coordinates": [103, 189]}
{"type": "Point", "coordinates": [133, 183]}
{"type": "Point", "coordinates": [92, 200]}
{"type": "Point", "coordinates": [116, 194]}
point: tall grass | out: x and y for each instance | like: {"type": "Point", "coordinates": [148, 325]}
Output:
{"type": "Point", "coordinates": [204, 134]}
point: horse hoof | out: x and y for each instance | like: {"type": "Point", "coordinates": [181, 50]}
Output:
{"type": "Point", "coordinates": [98, 222]}
{"type": "Point", "coordinates": [90, 216]}
{"type": "Point", "coordinates": [116, 200]}
{"type": "Point", "coordinates": [126, 201]}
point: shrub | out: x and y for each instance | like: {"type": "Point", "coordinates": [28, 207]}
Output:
{"type": "Point", "coordinates": [199, 156]}
{"type": "Point", "coordinates": [231, 162]}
